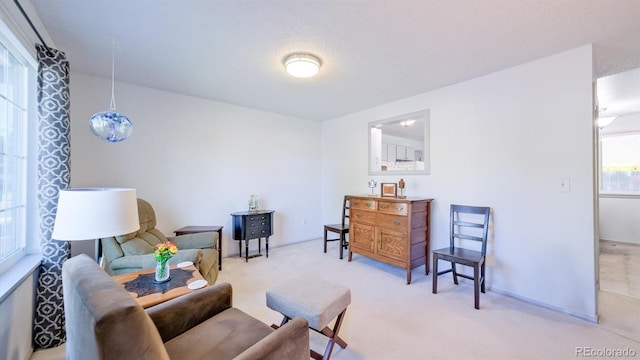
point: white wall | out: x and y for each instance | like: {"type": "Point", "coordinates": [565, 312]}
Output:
{"type": "Point", "coordinates": [504, 140]}
{"type": "Point", "coordinates": [16, 312]}
{"type": "Point", "coordinates": [620, 218]}
{"type": "Point", "coordinates": [196, 161]}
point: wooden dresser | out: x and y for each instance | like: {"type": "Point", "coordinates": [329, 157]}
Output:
{"type": "Point", "coordinates": [392, 230]}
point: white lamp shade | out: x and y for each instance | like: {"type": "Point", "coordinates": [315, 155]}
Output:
{"type": "Point", "coordinates": [93, 213]}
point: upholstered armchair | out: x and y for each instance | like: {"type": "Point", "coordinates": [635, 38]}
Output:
{"type": "Point", "coordinates": [104, 322]}
{"type": "Point", "coordinates": [134, 251]}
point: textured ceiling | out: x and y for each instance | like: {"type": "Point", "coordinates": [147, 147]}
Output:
{"type": "Point", "coordinates": [372, 51]}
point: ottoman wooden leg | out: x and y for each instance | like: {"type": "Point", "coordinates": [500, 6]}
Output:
{"type": "Point", "coordinates": [333, 339]}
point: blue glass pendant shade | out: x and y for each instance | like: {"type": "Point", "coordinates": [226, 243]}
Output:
{"type": "Point", "coordinates": [111, 126]}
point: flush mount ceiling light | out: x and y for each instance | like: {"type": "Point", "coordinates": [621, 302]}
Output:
{"type": "Point", "coordinates": [111, 125]}
{"type": "Point", "coordinates": [604, 119]}
{"type": "Point", "coordinates": [301, 65]}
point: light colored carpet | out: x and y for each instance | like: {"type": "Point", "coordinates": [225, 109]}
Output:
{"type": "Point", "coordinates": [620, 268]}
{"type": "Point", "coordinates": [388, 319]}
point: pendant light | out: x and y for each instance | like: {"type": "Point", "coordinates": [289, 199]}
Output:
{"type": "Point", "coordinates": [110, 125]}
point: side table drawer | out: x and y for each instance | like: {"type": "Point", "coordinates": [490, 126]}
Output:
{"type": "Point", "coordinates": [253, 233]}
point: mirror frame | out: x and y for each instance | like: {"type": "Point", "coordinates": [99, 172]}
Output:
{"type": "Point", "coordinates": [426, 151]}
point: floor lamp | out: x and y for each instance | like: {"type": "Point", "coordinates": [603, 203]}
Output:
{"type": "Point", "coordinates": [94, 213]}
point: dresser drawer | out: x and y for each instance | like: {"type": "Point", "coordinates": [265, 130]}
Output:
{"type": "Point", "coordinates": [391, 221]}
{"type": "Point", "coordinates": [395, 208]}
{"type": "Point", "coordinates": [258, 218]}
{"type": "Point", "coordinates": [253, 233]}
{"type": "Point", "coordinates": [366, 217]}
{"type": "Point", "coordinates": [362, 204]}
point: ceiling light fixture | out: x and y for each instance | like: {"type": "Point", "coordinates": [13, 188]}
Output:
{"type": "Point", "coordinates": [407, 123]}
{"type": "Point", "coordinates": [605, 121]}
{"type": "Point", "coordinates": [302, 65]}
{"type": "Point", "coordinates": [110, 125]}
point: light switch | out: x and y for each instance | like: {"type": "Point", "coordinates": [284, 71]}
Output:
{"type": "Point", "coordinates": [564, 185]}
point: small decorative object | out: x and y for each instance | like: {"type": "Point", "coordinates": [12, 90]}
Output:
{"type": "Point", "coordinates": [372, 185]}
{"type": "Point", "coordinates": [164, 251]}
{"type": "Point", "coordinates": [389, 189]}
{"type": "Point", "coordinates": [253, 203]}
{"type": "Point", "coordinates": [110, 125]}
{"type": "Point", "coordinates": [401, 186]}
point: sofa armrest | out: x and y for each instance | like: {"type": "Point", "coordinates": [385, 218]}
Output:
{"type": "Point", "coordinates": [131, 263]}
{"type": "Point", "coordinates": [178, 315]}
{"type": "Point", "coordinates": [291, 342]}
{"type": "Point", "coordinates": [203, 240]}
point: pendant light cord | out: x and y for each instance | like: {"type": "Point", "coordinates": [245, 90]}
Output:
{"type": "Point", "coordinates": [113, 60]}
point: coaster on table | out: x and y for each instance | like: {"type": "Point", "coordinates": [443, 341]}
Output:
{"type": "Point", "coordinates": [184, 264]}
{"type": "Point", "coordinates": [197, 284]}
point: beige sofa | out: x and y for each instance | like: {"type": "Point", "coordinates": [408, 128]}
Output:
{"type": "Point", "coordinates": [134, 251]}
{"type": "Point", "coordinates": [104, 322]}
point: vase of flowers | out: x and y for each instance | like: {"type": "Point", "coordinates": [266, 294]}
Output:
{"type": "Point", "coordinates": [164, 251]}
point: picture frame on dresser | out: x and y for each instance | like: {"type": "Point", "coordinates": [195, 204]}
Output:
{"type": "Point", "coordinates": [389, 190]}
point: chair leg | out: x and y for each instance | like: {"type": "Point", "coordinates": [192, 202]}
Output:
{"type": "Point", "coordinates": [454, 272]}
{"type": "Point", "coordinates": [476, 286]}
{"type": "Point", "coordinates": [482, 279]}
{"type": "Point", "coordinates": [325, 240]}
{"type": "Point", "coordinates": [341, 246]}
{"type": "Point", "coordinates": [435, 274]}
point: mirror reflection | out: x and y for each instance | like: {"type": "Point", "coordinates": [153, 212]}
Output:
{"type": "Point", "coordinates": [400, 145]}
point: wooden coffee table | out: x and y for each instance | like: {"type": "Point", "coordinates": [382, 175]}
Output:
{"type": "Point", "coordinates": [140, 284]}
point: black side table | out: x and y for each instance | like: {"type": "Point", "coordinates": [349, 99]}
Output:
{"type": "Point", "coordinates": [198, 229]}
{"type": "Point", "coordinates": [249, 225]}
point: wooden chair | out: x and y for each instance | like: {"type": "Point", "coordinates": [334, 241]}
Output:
{"type": "Point", "coordinates": [461, 219]}
{"type": "Point", "coordinates": [341, 229]}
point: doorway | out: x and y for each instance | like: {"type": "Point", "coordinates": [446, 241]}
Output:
{"type": "Point", "coordinates": [618, 98]}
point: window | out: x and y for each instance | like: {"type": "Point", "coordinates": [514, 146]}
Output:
{"type": "Point", "coordinates": [620, 162]}
{"type": "Point", "coordinates": [14, 95]}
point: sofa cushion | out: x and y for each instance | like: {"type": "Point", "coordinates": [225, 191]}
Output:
{"type": "Point", "coordinates": [137, 246]}
{"type": "Point", "coordinates": [223, 336]}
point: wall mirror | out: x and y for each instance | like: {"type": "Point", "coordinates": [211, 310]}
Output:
{"type": "Point", "coordinates": [400, 145]}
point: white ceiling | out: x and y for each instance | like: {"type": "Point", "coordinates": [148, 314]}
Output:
{"type": "Point", "coordinates": [373, 51]}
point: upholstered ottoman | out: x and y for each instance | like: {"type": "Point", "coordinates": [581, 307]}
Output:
{"type": "Point", "coordinates": [316, 300]}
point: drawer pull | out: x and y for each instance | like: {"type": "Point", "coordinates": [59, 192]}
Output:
{"type": "Point", "coordinates": [358, 215]}
{"type": "Point", "coordinates": [400, 208]}
{"type": "Point", "coordinates": [356, 203]}
{"type": "Point", "coordinates": [396, 221]}
{"type": "Point", "coordinates": [383, 206]}
{"type": "Point", "coordinates": [367, 204]}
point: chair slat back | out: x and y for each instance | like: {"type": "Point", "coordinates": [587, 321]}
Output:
{"type": "Point", "coordinates": [457, 226]}
{"type": "Point", "coordinates": [345, 211]}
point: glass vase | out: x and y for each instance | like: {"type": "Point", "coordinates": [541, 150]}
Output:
{"type": "Point", "coordinates": [162, 272]}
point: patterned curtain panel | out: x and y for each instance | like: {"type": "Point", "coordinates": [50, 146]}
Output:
{"type": "Point", "coordinates": [53, 175]}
